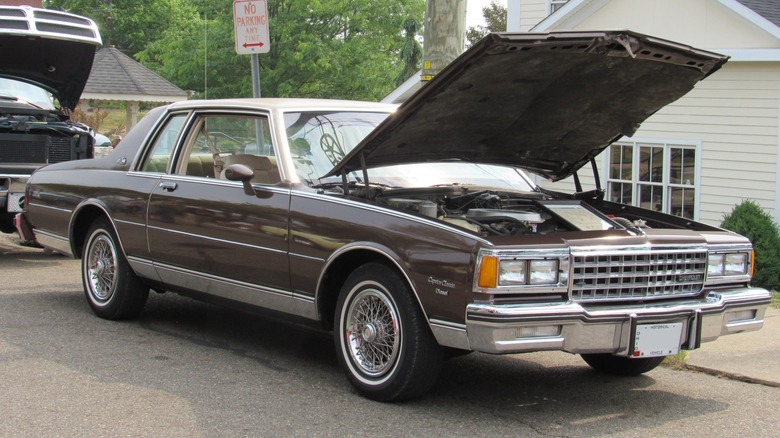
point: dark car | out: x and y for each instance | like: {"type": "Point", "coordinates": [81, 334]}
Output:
{"type": "Point", "coordinates": [414, 233]}
{"type": "Point", "coordinates": [47, 57]}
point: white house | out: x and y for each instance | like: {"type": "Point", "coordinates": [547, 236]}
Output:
{"type": "Point", "coordinates": [718, 145]}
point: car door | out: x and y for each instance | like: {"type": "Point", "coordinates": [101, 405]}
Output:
{"type": "Point", "coordinates": [206, 234]}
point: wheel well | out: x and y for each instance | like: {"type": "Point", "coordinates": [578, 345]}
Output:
{"type": "Point", "coordinates": [86, 216]}
{"type": "Point", "coordinates": [337, 274]}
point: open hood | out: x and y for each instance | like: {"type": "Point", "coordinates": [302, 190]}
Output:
{"type": "Point", "coordinates": [544, 102]}
{"type": "Point", "coordinates": [51, 49]}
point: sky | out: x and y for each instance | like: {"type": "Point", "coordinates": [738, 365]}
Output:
{"type": "Point", "coordinates": [474, 11]}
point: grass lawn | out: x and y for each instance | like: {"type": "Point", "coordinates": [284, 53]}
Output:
{"type": "Point", "coordinates": [115, 121]}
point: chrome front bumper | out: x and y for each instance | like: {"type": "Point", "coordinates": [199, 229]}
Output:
{"type": "Point", "coordinates": [589, 328]}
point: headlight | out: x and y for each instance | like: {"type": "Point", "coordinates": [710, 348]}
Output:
{"type": "Point", "coordinates": [523, 272]}
{"type": "Point", "coordinates": [496, 272]}
{"type": "Point", "coordinates": [728, 264]}
{"type": "Point", "coordinates": [512, 272]}
{"type": "Point", "coordinates": [543, 272]}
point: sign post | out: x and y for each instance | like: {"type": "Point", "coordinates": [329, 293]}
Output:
{"type": "Point", "coordinates": [250, 19]}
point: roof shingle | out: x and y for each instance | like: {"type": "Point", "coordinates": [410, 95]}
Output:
{"type": "Point", "coordinates": [769, 9]}
{"type": "Point", "coordinates": [113, 72]}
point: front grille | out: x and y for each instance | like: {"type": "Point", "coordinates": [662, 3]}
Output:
{"type": "Point", "coordinates": [617, 276]}
{"type": "Point", "coordinates": [23, 148]}
{"type": "Point", "coordinates": [20, 148]}
{"type": "Point", "coordinates": [60, 150]}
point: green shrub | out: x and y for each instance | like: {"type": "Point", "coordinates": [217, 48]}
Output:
{"type": "Point", "coordinates": [749, 220]}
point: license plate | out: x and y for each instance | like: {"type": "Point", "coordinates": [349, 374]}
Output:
{"type": "Point", "coordinates": [660, 339]}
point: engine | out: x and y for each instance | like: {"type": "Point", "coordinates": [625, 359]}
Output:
{"type": "Point", "coordinates": [487, 212]}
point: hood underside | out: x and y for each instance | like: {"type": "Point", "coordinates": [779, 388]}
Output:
{"type": "Point", "coordinates": [544, 102]}
{"type": "Point", "coordinates": [50, 49]}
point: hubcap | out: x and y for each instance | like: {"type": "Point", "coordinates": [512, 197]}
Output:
{"type": "Point", "coordinates": [369, 333]}
{"type": "Point", "coordinates": [372, 332]}
{"type": "Point", "coordinates": [101, 268]}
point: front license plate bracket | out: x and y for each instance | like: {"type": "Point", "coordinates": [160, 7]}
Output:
{"type": "Point", "coordinates": [656, 339]}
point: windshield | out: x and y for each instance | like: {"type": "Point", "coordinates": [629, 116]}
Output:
{"type": "Point", "coordinates": [10, 88]}
{"type": "Point", "coordinates": [319, 140]}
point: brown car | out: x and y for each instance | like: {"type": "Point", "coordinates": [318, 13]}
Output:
{"type": "Point", "coordinates": [414, 233]}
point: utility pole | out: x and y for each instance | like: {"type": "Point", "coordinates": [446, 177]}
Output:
{"type": "Point", "coordinates": [444, 35]}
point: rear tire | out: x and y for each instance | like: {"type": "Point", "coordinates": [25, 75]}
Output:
{"type": "Point", "coordinates": [382, 338]}
{"type": "Point", "coordinates": [113, 290]}
{"type": "Point", "coordinates": [622, 366]}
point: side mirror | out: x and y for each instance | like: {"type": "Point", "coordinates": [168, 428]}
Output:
{"type": "Point", "coordinates": [240, 172]}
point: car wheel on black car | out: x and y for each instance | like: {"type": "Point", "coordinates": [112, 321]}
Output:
{"type": "Point", "coordinates": [382, 339]}
{"type": "Point", "coordinates": [112, 288]}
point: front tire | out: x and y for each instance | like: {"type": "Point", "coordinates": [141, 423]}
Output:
{"type": "Point", "coordinates": [622, 366]}
{"type": "Point", "coordinates": [383, 341]}
{"type": "Point", "coordinates": [113, 290]}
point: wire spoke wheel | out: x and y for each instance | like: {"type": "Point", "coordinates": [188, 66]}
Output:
{"type": "Point", "coordinates": [372, 332]}
{"type": "Point", "coordinates": [112, 288]}
{"type": "Point", "coordinates": [101, 268]}
{"type": "Point", "coordinates": [382, 338]}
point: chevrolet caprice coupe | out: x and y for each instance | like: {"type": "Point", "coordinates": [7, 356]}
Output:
{"type": "Point", "coordinates": [415, 233]}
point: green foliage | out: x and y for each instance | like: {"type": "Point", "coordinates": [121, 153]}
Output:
{"type": "Point", "coordinates": [495, 20]}
{"type": "Point", "coordinates": [751, 221]}
{"type": "Point", "coordinates": [676, 361]}
{"type": "Point", "coordinates": [330, 49]}
{"type": "Point", "coordinates": [129, 25]}
{"type": "Point", "coordinates": [411, 51]}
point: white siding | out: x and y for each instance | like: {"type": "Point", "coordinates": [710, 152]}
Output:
{"type": "Point", "coordinates": [700, 23]}
{"type": "Point", "coordinates": [531, 13]}
{"type": "Point", "coordinates": [734, 114]}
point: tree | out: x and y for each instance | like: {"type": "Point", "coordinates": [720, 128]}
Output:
{"type": "Point", "coordinates": [495, 20]}
{"type": "Point", "coordinates": [411, 51]}
{"type": "Point", "coordinates": [129, 25]}
{"type": "Point", "coordinates": [750, 220]}
{"type": "Point", "coordinates": [319, 48]}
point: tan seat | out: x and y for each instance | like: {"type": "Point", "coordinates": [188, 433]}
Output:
{"type": "Point", "coordinates": [200, 165]}
{"type": "Point", "coordinates": [266, 171]}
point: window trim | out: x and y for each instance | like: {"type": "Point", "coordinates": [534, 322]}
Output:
{"type": "Point", "coordinates": [667, 144]}
{"type": "Point", "coordinates": [552, 3]}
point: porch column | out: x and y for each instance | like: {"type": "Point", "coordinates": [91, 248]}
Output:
{"type": "Point", "coordinates": [131, 114]}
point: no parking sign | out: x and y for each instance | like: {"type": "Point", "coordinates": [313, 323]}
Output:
{"type": "Point", "coordinates": [250, 19]}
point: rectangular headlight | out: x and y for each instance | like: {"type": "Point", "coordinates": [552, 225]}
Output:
{"type": "Point", "coordinates": [544, 272]}
{"type": "Point", "coordinates": [715, 264]}
{"type": "Point", "coordinates": [735, 264]}
{"type": "Point", "coordinates": [512, 272]}
{"type": "Point", "coordinates": [728, 264]}
{"type": "Point", "coordinates": [522, 271]}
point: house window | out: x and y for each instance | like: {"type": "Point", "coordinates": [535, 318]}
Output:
{"type": "Point", "coordinates": [556, 4]}
{"type": "Point", "coordinates": [656, 176]}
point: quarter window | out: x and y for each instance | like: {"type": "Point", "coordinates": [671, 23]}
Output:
{"type": "Point", "coordinates": [160, 155]}
{"type": "Point", "coordinates": [655, 176]}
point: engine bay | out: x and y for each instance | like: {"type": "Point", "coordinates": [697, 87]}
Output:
{"type": "Point", "coordinates": [36, 135]}
{"type": "Point", "coordinates": [499, 213]}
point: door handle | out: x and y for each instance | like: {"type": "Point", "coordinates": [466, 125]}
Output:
{"type": "Point", "coordinates": [168, 185]}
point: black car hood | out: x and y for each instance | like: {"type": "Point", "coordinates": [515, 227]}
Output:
{"type": "Point", "coordinates": [544, 102]}
{"type": "Point", "coordinates": [59, 66]}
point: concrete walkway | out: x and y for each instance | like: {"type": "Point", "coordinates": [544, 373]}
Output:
{"type": "Point", "coordinates": [751, 357]}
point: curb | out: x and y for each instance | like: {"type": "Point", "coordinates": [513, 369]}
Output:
{"type": "Point", "coordinates": [729, 375]}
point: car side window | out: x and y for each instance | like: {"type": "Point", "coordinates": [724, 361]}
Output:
{"type": "Point", "coordinates": [160, 155]}
{"type": "Point", "coordinates": [217, 141]}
